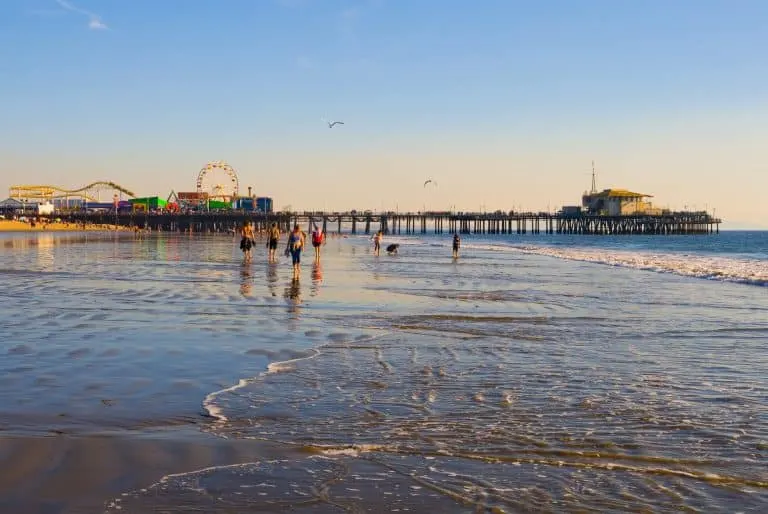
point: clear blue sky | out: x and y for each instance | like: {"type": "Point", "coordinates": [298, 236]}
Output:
{"type": "Point", "coordinates": [503, 103]}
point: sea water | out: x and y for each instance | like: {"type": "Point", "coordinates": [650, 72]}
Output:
{"type": "Point", "coordinates": [536, 372]}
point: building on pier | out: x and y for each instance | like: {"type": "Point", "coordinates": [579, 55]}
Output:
{"type": "Point", "coordinates": [192, 199]}
{"type": "Point", "coordinates": [148, 203]}
{"type": "Point", "coordinates": [612, 202]}
{"type": "Point", "coordinates": [618, 202]}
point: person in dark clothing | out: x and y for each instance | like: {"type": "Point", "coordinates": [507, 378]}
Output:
{"type": "Point", "coordinates": [247, 240]}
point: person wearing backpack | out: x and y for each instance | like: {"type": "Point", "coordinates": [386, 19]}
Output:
{"type": "Point", "coordinates": [318, 239]}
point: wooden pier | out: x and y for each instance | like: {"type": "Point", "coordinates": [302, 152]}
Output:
{"type": "Point", "coordinates": [417, 223]}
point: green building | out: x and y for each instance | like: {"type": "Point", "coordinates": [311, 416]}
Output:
{"type": "Point", "coordinates": [149, 203]}
{"type": "Point", "coordinates": [218, 204]}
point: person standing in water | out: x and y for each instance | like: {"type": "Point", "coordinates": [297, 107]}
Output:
{"type": "Point", "coordinates": [456, 245]}
{"type": "Point", "coordinates": [318, 238]}
{"type": "Point", "coordinates": [295, 246]}
{"type": "Point", "coordinates": [273, 236]}
{"type": "Point", "coordinates": [377, 242]}
{"type": "Point", "coordinates": [247, 240]}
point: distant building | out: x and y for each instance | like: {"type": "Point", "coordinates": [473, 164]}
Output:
{"type": "Point", "coordinates": [14, 206]}
{"type": "Point", "coordinates": [11, 206]}
{"type": "Point", "coordinates": [244, 203]}
{"type": "Point", "coordinates": [192, 200]}
{"type": "Point", "coordinates": [122, 206]}
{"type": "Point", "coordinates": [614, 202]}
{"type": "Point", "coordinates": [617, 202]}
{"type": "Point", "coordinates": [68, 203]}
{"type": "Point", "coordinates": [571, 210]}
{"type": "Point", "coordinates": [149, 203]}
{"type": "Point", "coordinates": [264, 204]}
{"type": "Point", "coordinates": [45, 208]}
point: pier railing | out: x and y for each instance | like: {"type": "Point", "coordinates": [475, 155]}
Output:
{"type": "Point", "coordinates": [415, 223]}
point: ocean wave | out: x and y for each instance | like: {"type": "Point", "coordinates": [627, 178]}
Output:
{"type": "Point", "coordinates": [727, 269]}
{"type": "Point", "coordinates": [750, 270]}
{"type": "Point", "coordinates": [744, 270]}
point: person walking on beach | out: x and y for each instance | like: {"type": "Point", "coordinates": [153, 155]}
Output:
{"type": "Point", "coordinates": [247, 240]}
{"type": "Point", "coordinates": [318, 238]}
{"type": "Point", "coordinates": [456, 245]}
{"type": "Point", "coordinates": [295, 246]}
{"type": "Point", "coordinates": [377, 242]}
{"type": "Point", "coordinates": [272, 239]}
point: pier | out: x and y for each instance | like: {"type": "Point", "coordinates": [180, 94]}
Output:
{"type": "Point", "coordinates": [670, 223]}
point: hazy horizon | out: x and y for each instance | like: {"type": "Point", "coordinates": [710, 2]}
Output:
{"type": "Point", "coordinates": [503, 104]}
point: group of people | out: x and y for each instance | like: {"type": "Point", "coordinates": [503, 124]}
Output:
{"type": "Point", "coordinates": [297, 241]}
{"type": "Point", "coordinates": [378, 237]}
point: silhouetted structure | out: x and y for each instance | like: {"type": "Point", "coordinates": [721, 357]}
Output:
{"type": "Point", "coordinates": [420, 223]}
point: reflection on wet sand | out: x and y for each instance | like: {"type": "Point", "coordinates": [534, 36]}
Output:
{"type": "Point", "coordinates": [317, 279]}
{"type": "Point", "coordinates": [292, 296]}
{"type": "Point", "coordinates": [246, 279]}
{"type": "Point", "coordinates": [293, 292]}
{"type": "Point", "coordinates": [272, 278]}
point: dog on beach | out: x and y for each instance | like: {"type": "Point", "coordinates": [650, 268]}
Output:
{"type": "Point", "coordinates": [392, 249]}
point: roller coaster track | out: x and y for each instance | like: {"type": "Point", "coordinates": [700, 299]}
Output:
{"type": "Point", "coordinates": [38, 192]}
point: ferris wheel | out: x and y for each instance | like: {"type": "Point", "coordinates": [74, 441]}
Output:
{"type": "Point", "coordinates": [218, 180]}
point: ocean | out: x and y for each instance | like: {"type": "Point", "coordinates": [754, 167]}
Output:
{"type": "Point", "coordinates": [536, 373]}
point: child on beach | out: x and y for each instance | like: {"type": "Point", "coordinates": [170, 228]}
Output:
{"type": "Point", "coordinates": [377, 242]}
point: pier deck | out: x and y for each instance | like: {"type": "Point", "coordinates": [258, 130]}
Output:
{"type": "Point", "coordinates": [417, 223]}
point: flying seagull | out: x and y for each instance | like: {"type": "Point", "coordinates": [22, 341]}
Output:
{"type": "Point", "coordinates": [430, 181]}
{"type": "Point", "coordinates": [332, 123]}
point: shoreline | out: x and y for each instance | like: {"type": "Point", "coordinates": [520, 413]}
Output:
{"type": "Point", "coordinates": [21, 226]}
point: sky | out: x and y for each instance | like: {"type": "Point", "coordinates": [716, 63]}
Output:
{"type": "Point", "coordinates": [504, 104]}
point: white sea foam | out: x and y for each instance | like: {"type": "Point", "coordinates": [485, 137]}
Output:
{"type": "Point", "coordinates": [730, 269]}
{"type": "Point", "coordinates": [215, 411]}
{"type": "Point", "coordinates": [751, 271]}
{"type": "Point", "coordinates": [209, 403]}
{"type": "Point", "coordinates": [353, 450]}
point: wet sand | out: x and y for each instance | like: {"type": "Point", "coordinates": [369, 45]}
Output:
{"type": "Point", "coordinates": [78, 474]}
{"type": "Point", "coordinates": [20, 226]}
{"type": "Point", "coordinates": [497, 383]}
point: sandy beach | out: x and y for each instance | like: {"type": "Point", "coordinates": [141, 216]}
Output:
{"type": "Point", "coordinates": [75, 474]}
{"type": "Point", "coordinates": [21, 226]}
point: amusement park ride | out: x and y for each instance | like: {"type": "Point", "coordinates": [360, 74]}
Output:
{"type": "Point", "coordinates": [90, 193]}
{"type": "Point", "coordinates": [208, 181]}
{"type": "Point", "coordinates": [217, 187]}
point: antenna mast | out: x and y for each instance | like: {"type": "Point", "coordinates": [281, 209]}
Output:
{"type": "Point", "coordinates": [594, 188]}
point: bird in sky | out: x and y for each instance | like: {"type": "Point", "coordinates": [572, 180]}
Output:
{"type": "Point", "coordinates": [430, 181]}
{"type": "Point", "coordinates": [331, 124]}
